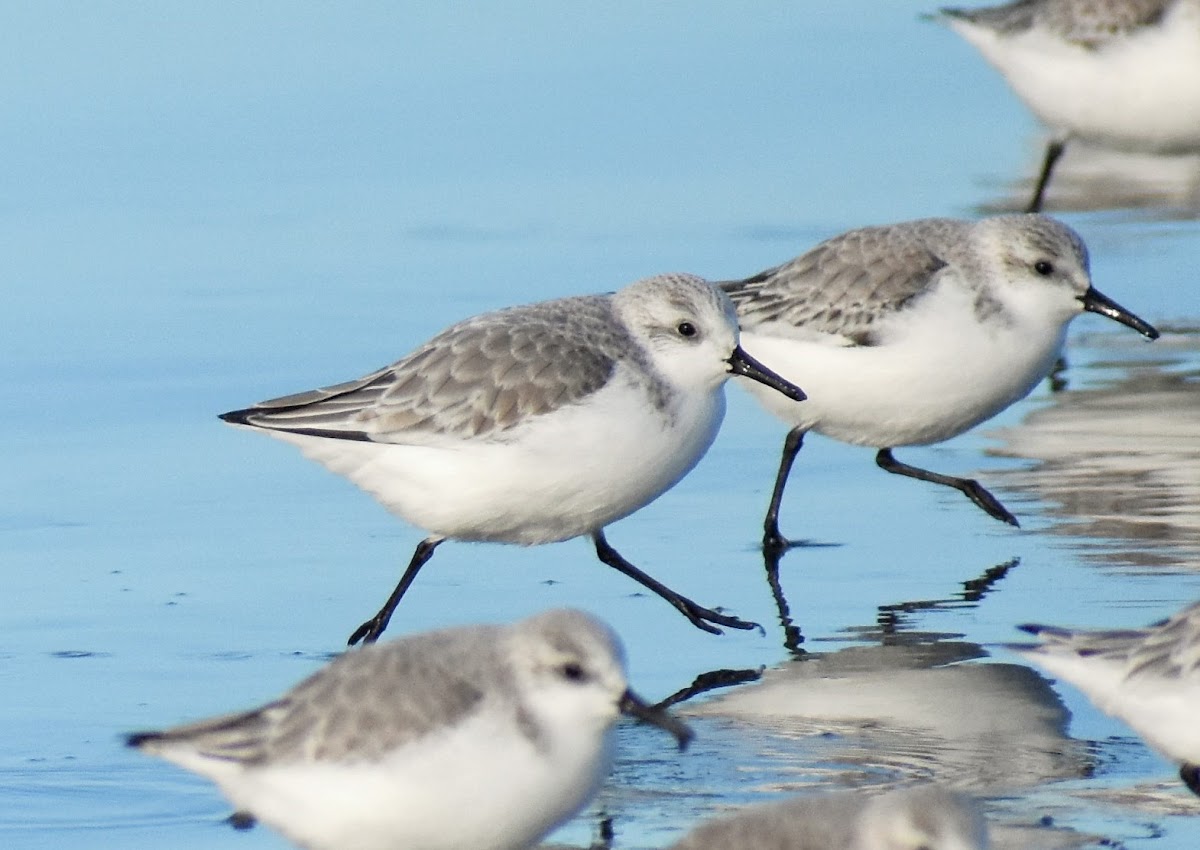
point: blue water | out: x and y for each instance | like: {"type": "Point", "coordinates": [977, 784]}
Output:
{"type": "Point", "coordinates": [205, 205]}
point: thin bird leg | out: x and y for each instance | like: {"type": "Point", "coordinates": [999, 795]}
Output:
{"type": "Point", "coordinates": [1190, 774]}
{"type": "Point", "coordinates": [772, 540]}
{"type": "Point", "coordinates": [370, 631]}
{"type": "Point", "coordinates": [969, 487]}
{"type": "Point", "coordinates": [699, 616]}
{"type": "Point", "coordinates": [1058, 375]}
{"type": "Point", "coordinates": [604, 838]}
{"type": "Point", "coordinates": [1054, 150]}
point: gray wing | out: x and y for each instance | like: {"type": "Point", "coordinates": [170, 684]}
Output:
{"type": "Point", "coordinates": [1115, 645]}
{"type": "Point", "coordinates": [1009, 18]}
{"type": "Point", "coordinates": [362, 709]}
{"type": "Point", "coordinates": [1170, 649]}
{"type": "Point", "coordinates": [359, 708]}
{"type": "Point", "coordinates": [237, 737]}
{"type": "Point", "coordinates": [848, 284]}
{"type": "Point", "coordinates": [477, 378]}
{"type": "Point", "coordinates": [1090, 23]}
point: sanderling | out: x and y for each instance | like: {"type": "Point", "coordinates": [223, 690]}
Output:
{"type": "Point", "coordinates": [909, 334]}
{"type": "Point", "coordinates": [920, 817]}
{"type": "Point", "coordinates": [481, 736]}
{"type": "Point", "coordinates": [534, 424]}
{"type": "Point", "coordinates": [1120, 74]}
{"type": "Point", "coordinates": [1149, 678]}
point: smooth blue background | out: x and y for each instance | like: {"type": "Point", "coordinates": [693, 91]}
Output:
{"type": "Point", "coordinates": [203, 205]}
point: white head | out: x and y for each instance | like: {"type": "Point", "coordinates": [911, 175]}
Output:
{"type": "Point", "coordinates": [1041, 271]}
{"type": "Point", "coordinates": [570, 670]}
{"type": "Point", "coordinates": [923, 817]}
{"type": "Point", "coordinates": [689, 329]}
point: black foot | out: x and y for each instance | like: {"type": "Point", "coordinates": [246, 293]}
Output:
{"type": "Point", "coordinates": [704, 618]}
{"type": "Point", "coordinates": [241, 821]}
{"type": "Point", "coordinates": [775, 543]}
{"type": "Point", "coordinates": [699, 616]}
{"type": "Point", "coordinates": [978, 494]}
{"type": "Point", "coordinates": [370, 631]}
{"type": "Point", "coordinates": [969, 487]}
{"type": "Point", "coordinates": [1190, 774]}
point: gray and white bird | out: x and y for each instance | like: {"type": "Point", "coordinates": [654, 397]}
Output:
{"type": "Point", "coordinates": [1149, 678]}
{"type": "Point", "coordinates": [482, 737]}
{"type": "Point", "coordinates": [1118, 74]}
{"type": "Point", "coordinates": [534, 424]}
{"type": "Point", "coordinates": [910, 334]}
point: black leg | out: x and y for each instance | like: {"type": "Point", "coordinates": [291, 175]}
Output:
{"type": "Point", "coordinates": [370, 631]}
{"type": "Point", "coordinates": [772, 539]}
{"type": "Point", "coordinates": [605, 834]}
{"type": "Point", "coordinates": [1190, 774]}
{"type": "Point", "coordinates": [1058, 375]}
{"type": "Point", "coordinates": [700, 617]}
{"type": "Point", "coordinates": [970, 488]}
{"type": "Point", "coordinates": [1054, 150]}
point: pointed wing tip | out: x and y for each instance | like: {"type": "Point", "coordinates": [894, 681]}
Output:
{"type": "Point", "coordinates": [255, 417]}
{"type": "Point", "coordinates": [237, 417]}
{"type": "Point", "coordinates": [138, 740]}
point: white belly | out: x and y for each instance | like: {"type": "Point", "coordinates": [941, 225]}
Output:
{"type": "Point", "coordinates": [1163, 711]}
{"type": "Point", "coordinates": [562, 475]}
{"type": "Point", "coordinates": [483, 787]}
{"type": "Point", "coordinates": [919, 390]}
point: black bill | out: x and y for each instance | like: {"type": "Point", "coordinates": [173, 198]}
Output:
{"type": "Point", "coordinates": [635, 706]}
{"type": "Point", "coordinates": [1096, 302]}
{"type": "Point", "coordinates": [741, 363]}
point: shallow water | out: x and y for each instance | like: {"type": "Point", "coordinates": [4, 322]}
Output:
{"type": "Point", "coordinates": [204, 208]}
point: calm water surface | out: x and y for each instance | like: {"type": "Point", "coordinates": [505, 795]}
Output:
{"type": "Point", "coordinates": [207, 205]}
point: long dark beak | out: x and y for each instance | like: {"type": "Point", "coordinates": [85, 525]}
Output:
{"type": "Point", "coordinates": [635, 706]}
{"type": "Point", "coordinates": [1095, 301]}
{"type": "Point", "coordinates": [741, 363]}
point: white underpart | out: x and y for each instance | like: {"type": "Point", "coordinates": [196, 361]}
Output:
{"type": "Point", "coordinates": [432, 795]}
{"type": "Point", "coordinates": [557, 476]}
{"type": "Point", "coordinates": [1162, 710]}
{"type": "Point", "coordinates": [1139, 92]}
{"type": "Point", "coordinates": [937, 371]}
{"type": "Point", "coordinates": [524, 758]}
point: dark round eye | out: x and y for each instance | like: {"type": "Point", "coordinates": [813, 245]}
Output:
{"type": "Point", "coordinates": [573, 672]}
{"type": "Point", "coordinates": [1044, 267]}
{"type": "Point", "coordinates": [686, 329]}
